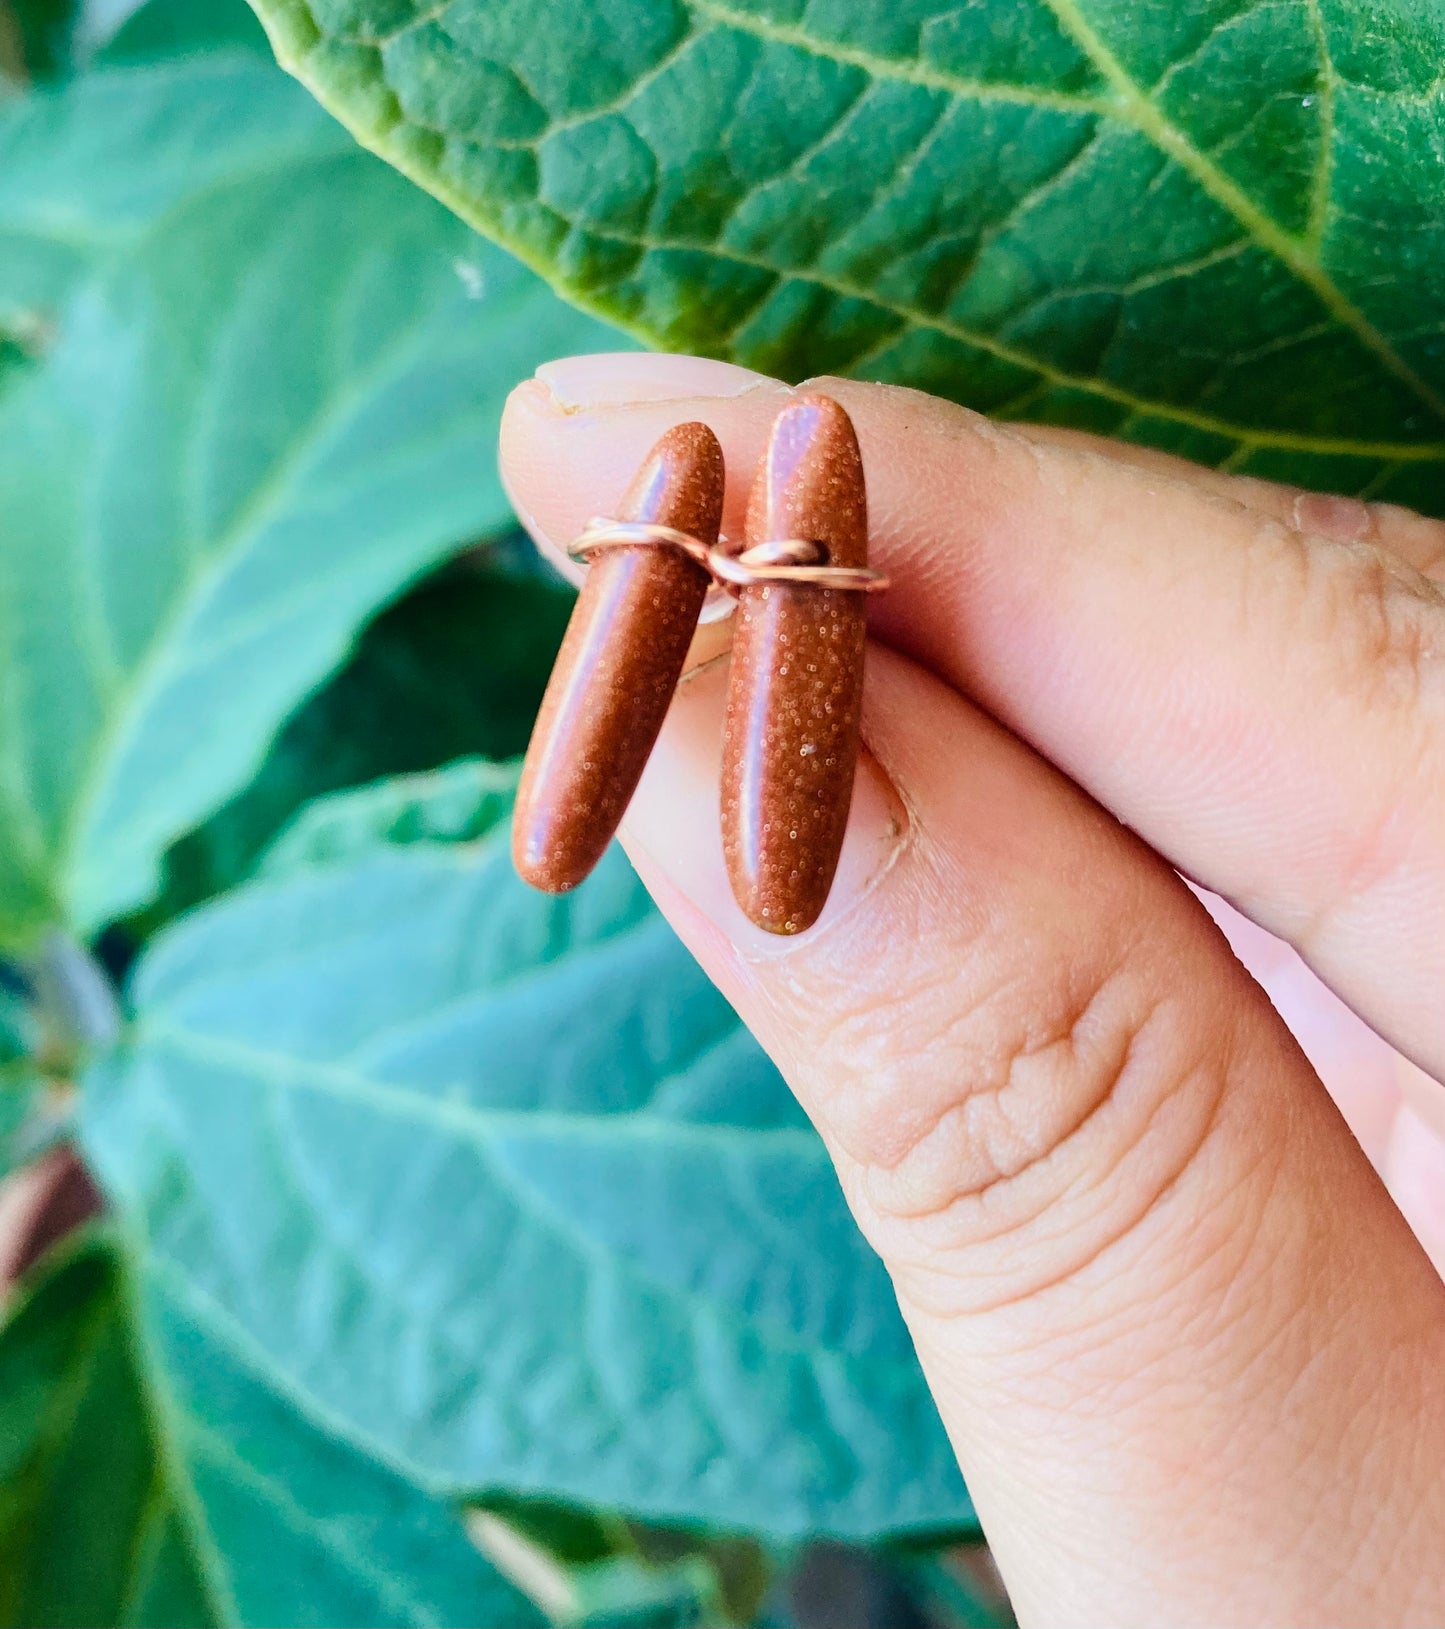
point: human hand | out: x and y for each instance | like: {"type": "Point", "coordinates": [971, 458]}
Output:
{"type": "Point", "coordinates": [1187, 1349]}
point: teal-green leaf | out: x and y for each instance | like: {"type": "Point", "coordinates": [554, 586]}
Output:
{"type": "Point", "coordinates": [90, 173]}
{"type": "Point", "coordinates": [459, 803]}
{"type": "Point", "coordinates": [160, 29]}
{"type": "Point", "coordinates": [1214, 227]}
{"type": "Point", "coordinates": [626, 1593]}
{"type": "Point", "coordinates": [33, 1108]}
{"type": "Point", "coordinates": [456, 668]}
{"type": "Point", "coordinates": [497, 1183]}
{"type": "Point", "coordinates": [35, 38]}
{"type": "Point", "coordinates": [270, 406]}
{"type": "Point", "coordinates": [150, 1475]}
{"type": "Point", "coordinates": [79, 1468]}
{"type": "Point", "coordinates": [31, 1121]}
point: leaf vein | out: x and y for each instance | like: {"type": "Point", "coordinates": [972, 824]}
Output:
{"type": "Point", "coordinates": [1293, 252]}
{"type": "Point", "coordinates": [162, 651]}
{"type": "Point", "coordinates": [951, 329]}
{"type": "Point", "coordinates": [893, 68]}
{"type": "Point", "coordinates": [1324, 163]}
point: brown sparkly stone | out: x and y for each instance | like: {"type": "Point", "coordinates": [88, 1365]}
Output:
{"type": "Point", "coordinates": [617, 669]}
{"type": "Point", "coordinates": [796, 688]}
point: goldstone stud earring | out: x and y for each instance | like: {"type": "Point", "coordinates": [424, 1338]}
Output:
{"type": "Point", "coordinates": [620, 660]}
{"type": "Point", "coordinates": [796, 684]}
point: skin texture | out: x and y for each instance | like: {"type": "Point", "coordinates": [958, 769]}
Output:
{"type": "Point", "coordinates": [1187, 1347]}
{"type": "Point", "coordinates": [618, 666]}
{"type": "Point", "coordinates": [796, 692]}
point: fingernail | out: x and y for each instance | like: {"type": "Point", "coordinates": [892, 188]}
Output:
{"type": "Point", "coordinates": [671, 829]}
{"type": "Point", "coordinates": [615, 378]}
{"type": "Point", "coordinates": [797, 676]}
{"type": "Point", "coordinates": [618, 667]}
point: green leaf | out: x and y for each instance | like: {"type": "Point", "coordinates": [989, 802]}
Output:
{"type": "Point", "coordinates": [179, 28]}
{"type": "Point", "coordinates": [52, 38]}
{"type": "Point", "coordinates": [37, 35]}
{"type": "Point", "coordinates": [725, 1576]}
{"type": "Point", "coordinates": [20, 1036]}
{"type": "Point", "coordinates": [78, 1470]}
{"type": "Point", "coordinates": [263, 414]}
{"type": "Point", "coordinates": [625, 1593]}
{"type": "Point", "coordinates": [955, 1594]}
{"type": "Point", "coordinates": [34, 1108]}
{"type": "Point", "coordinates": [91, 174]}
{"type": "Point", "coordinates": [456, 669]}
{"type": "Point", "coordinates": [457, 804]}
{"type": "Point", "coordinates": [497, 1183]}
{"type": "Point", "coordinates": [28, 1123]}
{"type": "Point", "coordinates": [1211, 227]}
{"type": "Point", "coordinates": [611, 1584]}
{"type": "Point", "coordinates": [131, 1493]}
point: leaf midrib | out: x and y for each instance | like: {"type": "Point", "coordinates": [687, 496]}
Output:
{"type": "Point", "coordinates": [469, 1122]}
{"type": "Point", "coordinates": [896, 69]}
{"type": "Point", "coordinates": [120, 716]}
{"type": "Point", "coordinates": [160, 1408]}
{"type": "Point", "coordinates": [273, 1493]}
{"type": "Point", "coordinates": [472, 1127]}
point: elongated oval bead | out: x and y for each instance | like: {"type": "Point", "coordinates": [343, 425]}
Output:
{"type": "Point", "coordinates": [796, 686]}
{"type": "Point", "coordinates": [617, 669]}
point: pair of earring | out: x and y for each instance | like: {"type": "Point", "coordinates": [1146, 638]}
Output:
{"type": "Point", "coordinates": [796, 680]}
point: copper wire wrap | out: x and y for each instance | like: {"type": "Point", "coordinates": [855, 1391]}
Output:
{"type": "Point", "coordinates": [783, 560]}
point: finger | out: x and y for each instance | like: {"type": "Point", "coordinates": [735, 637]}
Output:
{"type": "Point", "coordinates": [614, 379]}
{"type": "Point", "coordinates": [1394, 1110]}
{"type": "Point", "coordinates": [1154, 1284]}
{"type": "Point", "coordinates": [566, 396]}
{"type": "Point", "coordinates": [1414, 1161]}
{"type": "Point", "coordinates": [1266, 706]}
{"type": "Point", "coordinates": [1359, 1070]}
{"type": "Point", "coordinates": [1414, 539]}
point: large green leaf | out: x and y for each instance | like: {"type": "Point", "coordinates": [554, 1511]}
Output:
{"type": "Point", "coordinates": [151, 1476]}
{"type": "Point", "coordinates": [273, 403]}
{"type": "Point", "coordinates": [497, 1184]}
{"type": "Point", "coordinates": [456, 668]}
{"type": "Point", "coordinates": [1212, 226]}
{"type": "Point", "coordinates": [90, 174]}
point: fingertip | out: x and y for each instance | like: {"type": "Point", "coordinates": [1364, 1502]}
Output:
{"type": "Point", "coordinates": [526, 458]}
{"type": "Point", "coordinates": [573, 435]}
{"type": "Point", "coordinates": [578, 384]}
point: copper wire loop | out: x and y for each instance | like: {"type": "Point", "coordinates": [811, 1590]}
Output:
{"type": "Point", "coordinates": [783, 560]}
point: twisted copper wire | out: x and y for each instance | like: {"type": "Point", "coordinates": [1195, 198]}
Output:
{"type": "Point", "coordinates": [780, 560]}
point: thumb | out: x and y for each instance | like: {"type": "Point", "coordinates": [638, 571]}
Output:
{"type": "Point", "coordinates": [1128, 1230]}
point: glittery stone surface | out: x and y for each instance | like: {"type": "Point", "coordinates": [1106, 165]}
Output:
{"type": "Point", "coordinates": [617, 669]}
{"type": "Point", "coordinates": [796, 686]}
